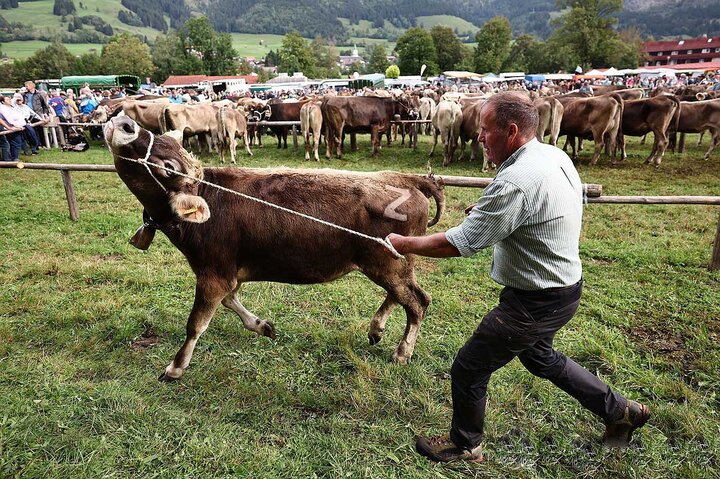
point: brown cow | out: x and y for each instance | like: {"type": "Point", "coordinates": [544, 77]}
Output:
{"type": "Point", "coordinates": [550, 112]}
{"type": "Point", "coordinates": [148, 114]}
{"type": "Point", "coordinates": [598, 118]}
{"type": "Point", "coordinates": [696, 117]}
{"type": "Point", "coordinates": [229, 240]}
{"type": "Point", "coordinates": [641, 117]}
{"type": "Point", "coordinates": [355, 114]}
{"type": "Point", "coordinates": [427, 112]}
{"type": "Point", "coordinates": [602, 89]}
{"type": "Point", "coordinates": [191, 120]}
{"type": "Point", "coordinates": [284, 111]}
{"type": "Point", "coordinates": [311, 124]}
{"type": "Point", "coordinates": [707, 95]}
{"type": "Point", "coordinates": [407, 107]}
{"type": "Point", "coordinates": [231, 124]}
{"type": "Point", "coordinates": [470, 129]}
{"type": "Point", "coordinates": [446, 123]}
{"type": "Point", "coordinates": [255, 111]}
{"type": "Point", "coordinates": [628, 94]}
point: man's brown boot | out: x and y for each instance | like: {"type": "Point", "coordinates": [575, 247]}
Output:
{"type": "Point", "coordinates": [442, 449]}
{"type": "Point", "coordinates": [619, 433]}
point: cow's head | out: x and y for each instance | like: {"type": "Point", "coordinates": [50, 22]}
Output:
{"type": "Point", "coordinates": [411, 105]}
{"type": "Point", "coordinates": [164, 194]}
{"type": "Point", "coordinates": [99, 114]}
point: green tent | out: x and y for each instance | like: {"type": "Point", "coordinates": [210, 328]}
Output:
{"type": "Point", "coordinates": [373, 80]}
{"type": "Point", "coordinates": [131, 82]}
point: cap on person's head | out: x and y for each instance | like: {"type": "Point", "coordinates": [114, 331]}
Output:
{"type": "Point", "coordinates": [17, 96]}
{"type": "Point", "coordinates": [62, 93]}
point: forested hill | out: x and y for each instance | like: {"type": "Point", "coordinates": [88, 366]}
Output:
{"type": "Point", "coordinates": [656, 18]}
{"type": "Point", "coordinates": [88, 21]}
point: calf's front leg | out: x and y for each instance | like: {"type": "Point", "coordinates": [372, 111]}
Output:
{"type": "Point", "coordinates": [208, 295]}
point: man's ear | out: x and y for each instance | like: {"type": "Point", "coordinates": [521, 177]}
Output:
{"type": "Point", "coordinates": [190, 208]}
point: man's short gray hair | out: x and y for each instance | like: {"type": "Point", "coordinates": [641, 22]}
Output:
{"type": "Point", "coordinates": [514, 107]}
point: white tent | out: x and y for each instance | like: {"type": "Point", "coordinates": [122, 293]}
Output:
{"type": "Point", "coordinates": [595, 73]}
{"type": "Point", "coordinates": [612, 72]}
{"type": "Point", "coordinates": [558, 76]}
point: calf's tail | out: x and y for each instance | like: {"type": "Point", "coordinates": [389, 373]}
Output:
{"type": "Point", "coordinates": [433, 186]}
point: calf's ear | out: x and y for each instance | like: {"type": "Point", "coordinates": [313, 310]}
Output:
{"type": "Point", "coordinates": [191, 208]}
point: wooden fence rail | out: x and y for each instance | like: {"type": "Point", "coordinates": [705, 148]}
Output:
{"type": "Point", "coordinates": [593, 193]}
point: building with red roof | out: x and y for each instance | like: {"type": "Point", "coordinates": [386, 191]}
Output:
{"type": "Point", "coordinates": [679, 52]}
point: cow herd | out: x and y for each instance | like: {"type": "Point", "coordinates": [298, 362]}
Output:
{"type": "Point", "coordinates": [606, 117]}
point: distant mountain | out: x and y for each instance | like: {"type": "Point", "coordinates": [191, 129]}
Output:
{"type": "Point", "coordinates": [341, 20]}
{"type": "Point", "coordinates": [658, 18]}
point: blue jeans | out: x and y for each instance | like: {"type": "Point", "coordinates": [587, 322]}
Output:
{"type": "Point", "coordinates": [12, 151]}
{"type": "Point", "coordinates": [32, 137]}
{"type": "Point", "coordinates": [4, 148]}
{"type": "Point", "coordinates": [523, 325]}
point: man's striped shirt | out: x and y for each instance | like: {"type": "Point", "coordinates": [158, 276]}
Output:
{"type": "Point", "coordinates": [532, 214]}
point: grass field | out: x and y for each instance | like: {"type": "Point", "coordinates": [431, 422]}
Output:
{"type": "Point", "coordinates": [39, 15]}
{"type": "Point", "coordinates": [25, 49]}
{"type": "Point", "coordinates": [462, 26]}
{"type": "Point", "coordinates": [88, 323]}
{"type": "Point", "coordinates": [248, 44]}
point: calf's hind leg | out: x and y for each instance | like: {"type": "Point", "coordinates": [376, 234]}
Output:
{"type": "Point", "coordinates": [250, 321]}
{"type": "Point", "coordinates": [398, 279]}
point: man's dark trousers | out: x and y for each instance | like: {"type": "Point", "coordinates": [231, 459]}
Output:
{"type": "Point", "coordinates": [523, 325]}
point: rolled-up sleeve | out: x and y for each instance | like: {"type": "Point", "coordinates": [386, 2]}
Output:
{"type": "Point", "coordinates": [501, 210]}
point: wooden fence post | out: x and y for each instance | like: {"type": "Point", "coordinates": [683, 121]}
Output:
{"type": "Point", "coordinates": [294, 134]}
{"type": "Point", "coordinates": [70, 195]}
{"type": "Point", "coordinates": [47, 137]}
{"type": "Point", "coordinates": [715, 261]}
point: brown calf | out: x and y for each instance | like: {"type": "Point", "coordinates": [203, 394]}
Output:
{"type": "Point", "coordinates": [311, 124]}
{"type": "Point", "coordinates": [229, 240]}
{"type": "Point", "coordinates": [231, 125]}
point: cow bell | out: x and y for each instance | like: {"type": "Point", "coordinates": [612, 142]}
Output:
{"type": "Point", "coordinates": [143, 237]}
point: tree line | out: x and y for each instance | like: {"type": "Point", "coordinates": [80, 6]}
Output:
{"type": "Point", "coordinates": [195, 48]}
{"type": "Point", "coordinates": [584, 36]}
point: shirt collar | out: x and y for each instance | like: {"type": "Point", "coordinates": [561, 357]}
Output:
{"type": "Point", "coordinates": [513, 158]}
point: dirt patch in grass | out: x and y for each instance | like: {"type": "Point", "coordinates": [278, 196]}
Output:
{"type": "Point", "coordinates": [670, 346]}
{"type": "Point", "coordinates": [102, 258]}
{"type": "Point", "coordinates": [670, 343]}
{"type": "Point", "coordinates": [146, 340]}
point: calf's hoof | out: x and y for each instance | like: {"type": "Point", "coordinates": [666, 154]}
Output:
{"type": "Point", "coordinates": [164, 378]}
{"type": "Point", "coordinates": [269, 330]}
{"type": "Point", "coordinates": [400, 359]}
{"type": "Point", "coordinates": [375, 337]}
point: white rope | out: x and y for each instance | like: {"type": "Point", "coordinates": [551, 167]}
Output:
{"type": "Point", "coordinates": [145, 162]}
{"type": "Point", "coordinates": [384, 242]}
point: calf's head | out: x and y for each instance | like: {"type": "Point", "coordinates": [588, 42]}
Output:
{"type": "Point", "coordinates": [156, 181]}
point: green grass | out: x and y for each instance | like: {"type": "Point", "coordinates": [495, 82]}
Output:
{"type": "Point", "coordinates": [461, 25]}
{"type": "Point", "coordinates": [81, 399]}
{"type": "Point", "coordinates": [39, 15]}
{"type": "Point", "coordinates": [25, 49]}
{"type": "Point", "coordinates": [248, 44]}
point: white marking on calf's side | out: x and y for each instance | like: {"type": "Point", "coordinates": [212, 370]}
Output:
{"type": "Point", "coordinates": [390, 210]}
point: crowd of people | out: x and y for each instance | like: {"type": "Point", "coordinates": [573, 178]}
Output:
{"type": "Point", "coordinates": [29, 109]}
